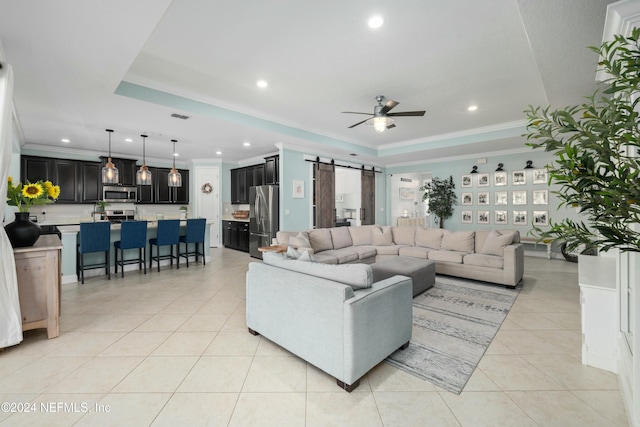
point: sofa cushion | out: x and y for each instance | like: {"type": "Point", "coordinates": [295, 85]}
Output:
{"type": "Point", "coordinates": [320, 239]}
{"type": "Point", "coordinates": [429, 237]}
{"type": "Point", "coordinates": [381, 236]}
{"type": "Point", "coordinates": [447, 256]}
{"type": "Point", "coordinates": [283, 237]}
{"type": "Point", "coordinates": [340, 237]}
{"type": "Point", "coordinates": [414, 251]}
{"type": "Point", "coordinates": [495, 242]}
{"type": "Point", "coordinates": [323, 258]}
{"type": "Point", "coordinates": [362, 235]}
{"type": "Point", "coordinates": [344, 255]}
{"type": "Point", "coordinates": [404, 235]}
{"type": "Point", "coordinates": [388, 249]}
{"type": "Point", "coordinates": [357, 276]}
{"type": "Point", "coordinates": [300, 240]}
{"type": "Point", "coordinates": [482, 260]}
{"type": "Point", "coordinates": [365, 252]}
{"type": "Point", "coordinates": [462, 241]}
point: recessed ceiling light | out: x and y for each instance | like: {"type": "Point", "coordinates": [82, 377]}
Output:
{"type": "Point", "coordinates": [219, 153]}
{"type": "Point", "coordinates": [65, 140]}
{"type": "Point", "coordinates": [246, 144]}
{"type": "Point", "coordinates": [128, 140]}
{"type": "Point", "coordinates": [375, 22]}
{"type": "Point", "coordinates": [262, 84]}
{"type": "Point", "coordinates": [472, 108]}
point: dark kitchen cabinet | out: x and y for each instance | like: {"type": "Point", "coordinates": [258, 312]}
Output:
{"type": "Point", "coordinates": [91, 176]}
{"type": "Point", "coordinates": [65, 174]}
{"type": "Point", "coordinates": [235, 235]}
{"type": "Point", "coordinates": [166, 194]}
{"type": "Point", "coordinates": [271, 170]}
{"type": "Point", "coordinates": [258, 175]}
{"type": "Point", "coordinates": [239, 189]}
{"type": "Point", "coordinates": [35, 169]}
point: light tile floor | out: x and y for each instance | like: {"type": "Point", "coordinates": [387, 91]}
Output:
{"type": "Point", "coordinates": [171, 348]}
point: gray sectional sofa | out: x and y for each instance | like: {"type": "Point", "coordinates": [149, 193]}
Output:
{"type": "Point", "coordinates": [333, 316]}
{"type": "Point", "coordinates": [495, 256]}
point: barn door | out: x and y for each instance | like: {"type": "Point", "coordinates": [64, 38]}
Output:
{"type": "Point", "coordinates": [368, 198]}
{"type": "Point", "coordinates": [325, 195]}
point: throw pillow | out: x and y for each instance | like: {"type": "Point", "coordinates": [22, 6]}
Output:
{"type": "Point", "coordinates": [307, 256]}
{"type": "Point", "coordinates": [320, 239]}
{"type": "Point", "coordinates": [495, 243]}
{"type": "Point", "coordinates": [382, 237]}
{"type": "Point", "coordinates": [461, 241]}
{"type": "Point", "coordinates": [292, 253]}
{"type": "Point", "coordinates": [300, 241]}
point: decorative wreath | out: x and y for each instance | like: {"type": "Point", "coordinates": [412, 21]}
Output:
{"type": "Point", "coordinates": [206, 188]}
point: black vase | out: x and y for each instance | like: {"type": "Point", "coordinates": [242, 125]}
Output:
{"type": "Point", "coordinates": [22, 232]}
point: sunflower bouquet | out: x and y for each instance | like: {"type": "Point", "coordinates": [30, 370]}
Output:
{"type": "Point", "coordinates": [23, 196]}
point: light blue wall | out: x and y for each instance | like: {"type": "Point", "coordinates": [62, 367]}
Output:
{"type": "Point", "coordinates": [294, 167]}
{"type": "Point", "coordinates": [512, 162]}
{"type": "Point", "coordinates": [225, 182]}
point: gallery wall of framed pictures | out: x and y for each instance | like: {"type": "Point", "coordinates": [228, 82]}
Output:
{"type": "Point", "coordinates": [515, 198]}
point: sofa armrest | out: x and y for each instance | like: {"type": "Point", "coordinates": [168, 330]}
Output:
{"type": "Point", "coordinates": [513, 263]}
{"type": "Point", "coordinates": [377, 321]}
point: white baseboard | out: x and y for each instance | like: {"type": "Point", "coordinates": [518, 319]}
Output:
{"type": "Point", "coordinates": [608, 362]}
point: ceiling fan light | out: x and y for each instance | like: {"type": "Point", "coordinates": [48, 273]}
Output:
{"type": "Point", "coordinates": [380, 124]}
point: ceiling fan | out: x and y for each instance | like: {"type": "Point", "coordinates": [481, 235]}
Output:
{"type": "Point", "coordinates": [381, 119]}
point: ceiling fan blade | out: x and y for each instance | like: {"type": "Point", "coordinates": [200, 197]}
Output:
{"type": "Point", "coordinates": [356, 112]}
{"type": "Point", "coordinates": [359, 123]}
{"type": "Point", "coordinates": [408, 113]}
{"type": "Point", "coordinates": [388, 106]}
{"type": "Point", "coordinates": [391, 126]}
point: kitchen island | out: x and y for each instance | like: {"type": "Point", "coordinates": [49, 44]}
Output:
{"type": "Point", "coordinates": [69, 235]}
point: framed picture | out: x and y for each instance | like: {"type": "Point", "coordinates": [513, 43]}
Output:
{"type": "Point", "coordinates": [541, 217]}
{"type": "Point", "coordinates": [483, 180]}
{"type": "Point", "coordinates": [467, 199]}
{"type": "Point", "coordinates": [500, 217]}
{"type": "Point", "coordinates": [500, 198]}
{"type": "Point", "coordinates": [499, 178]}
{"type": "Point", "coordinates": [518, 178]}
{"type": "Point", "coordinates": [540, 176]}
{"type": "Point", "coordinates": [407, 193]}
{"type": "Point", "coordinates": [466, 217]}
{"type": "Point", "coordinates": [520, 197]}
{"type": "Point", "coordinates": [467, 181]}
{"type": "Point", "coordinates": [483, 198]}
{"type": "Point", "coordinates": [540, 197]}
{"type": "Point", "coordinates": [483, 217]}
{"type": "Point", "coordinates": [298, 189]}
{"type": "Point", "coordinates": [519, 217]}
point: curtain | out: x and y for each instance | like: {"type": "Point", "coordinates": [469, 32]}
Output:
{"type": "Point", "coordinates": [10, 318]}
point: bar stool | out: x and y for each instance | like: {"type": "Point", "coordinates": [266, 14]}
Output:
{"type": "Point", "coordinates": [133, 235]}
{"type": "Point", "coordinates": [94, 237]}
{"type": "Point", "coordinates": [194, 234]}
{"type": "Point", "coordinates": [168, 235]}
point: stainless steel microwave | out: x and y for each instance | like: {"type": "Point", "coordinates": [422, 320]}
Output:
{"type": "Point", "coordinates": [114, 193]}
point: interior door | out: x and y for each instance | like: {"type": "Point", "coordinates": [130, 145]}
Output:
{"type": "Point", "coordinates": [207, 204]}
{"type": "Point", "coordinates": [368, 198]}
{"type": "Point", "coordinates": [325, 195]}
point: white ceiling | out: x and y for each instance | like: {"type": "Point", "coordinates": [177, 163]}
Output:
{"type": "Point", "coordinates": [83, 66]}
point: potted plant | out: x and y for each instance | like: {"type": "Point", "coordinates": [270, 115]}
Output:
{"type": "Point", "coordinates": [101, 205]}
{"type": "Point", "coordinates": [183, 212]}
{"type": "Point", "coordinates": [441, 196]}
{"type": "Point", "coordinates": [596, 147]}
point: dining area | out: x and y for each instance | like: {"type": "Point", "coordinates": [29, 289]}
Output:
{"type": "Point", "coordinates": [103, 248]}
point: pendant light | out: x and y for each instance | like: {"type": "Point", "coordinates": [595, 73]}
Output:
{"type": "Point", "coordinates": [143, 176]}
{"type": "Point", "coordinates": [110, 174]}
{"type": "Point", "coordinates": [175, 179]}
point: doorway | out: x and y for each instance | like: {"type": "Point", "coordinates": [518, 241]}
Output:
{"type": "Point", "coordinates": [348, 202]}
{"type": "Point", "coordinates": [406, 198]}
{"type": "Point", "coordinates": [207, 203]}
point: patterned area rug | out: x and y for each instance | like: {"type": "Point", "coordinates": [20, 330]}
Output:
{"type": "Point", "coordinates": [453, 324]}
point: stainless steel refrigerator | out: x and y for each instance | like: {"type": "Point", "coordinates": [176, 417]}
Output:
{"type": "Point", "coordinates": [263, 217]}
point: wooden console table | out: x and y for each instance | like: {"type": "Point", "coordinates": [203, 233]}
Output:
{"type": "Point", "coordinates": [39, 278]}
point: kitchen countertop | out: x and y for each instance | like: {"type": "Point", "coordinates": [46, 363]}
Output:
{"type": "Point", "coordinates": [230, 218]}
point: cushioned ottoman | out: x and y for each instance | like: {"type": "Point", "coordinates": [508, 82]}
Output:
{"type": "Point", "coordinates": [421, 271]}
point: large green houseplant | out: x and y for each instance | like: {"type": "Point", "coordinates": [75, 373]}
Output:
{"type": "Point", "coordinates": [441, 196]}
{"type": "Point", "coordinates": [596, 148]}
